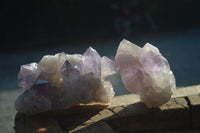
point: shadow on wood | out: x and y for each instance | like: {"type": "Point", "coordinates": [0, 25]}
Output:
{"type": "Point", "coordinates": [55, 121]}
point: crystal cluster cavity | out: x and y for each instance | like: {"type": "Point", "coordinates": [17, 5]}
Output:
{"type": "Point", "coordinates": [145, 72]}
{"type": "Point", "coordinates": [62, 80]}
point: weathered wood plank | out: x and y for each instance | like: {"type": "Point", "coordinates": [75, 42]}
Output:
{"type": "Point", "coordinates": [125, 100]}
{"type": "Point", "coordinates": [136, 117]}
{"type": "Point", "coordinates": [186, 91]}
{"type": "Point", "coordinates": [98, 127]}
{"type": "Point", "coordinates": [124, 114]}
{"type": "Point", "coordinates": [195, 110]}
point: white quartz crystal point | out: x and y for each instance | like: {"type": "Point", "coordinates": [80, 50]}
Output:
{"type": "Point", "coordinates": [51, 65]}
{"type": "Point", "coordinates": [28, 75]}
{"type": "Point", "coordinates": [145, 72]}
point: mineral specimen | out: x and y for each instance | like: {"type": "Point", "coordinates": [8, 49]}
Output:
{"type": "Point", "coordinates": [60, 81]}
{"type": "Point", "coordinates": [145, 72]}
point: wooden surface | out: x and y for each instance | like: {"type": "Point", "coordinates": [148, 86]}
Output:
{"type": "Point", "coordinates": [125, 114]}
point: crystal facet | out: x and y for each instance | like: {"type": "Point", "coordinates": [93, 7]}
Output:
{"type": "Point", "coordinates": [28, 75]}
{"type": "Point", "coordinates": [145, 72]}
{"type": "Point", "coordinates": [108, 67]}
{"type": "Point", "coordinates": [91, 62]}
{"type": "Point", "coordinates": [70, 79]}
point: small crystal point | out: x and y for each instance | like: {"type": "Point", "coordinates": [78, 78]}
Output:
{"type": "Point", "coordinates": [50, 66]}
{"type": "Point", "coordinates": [145, 72]}
{"type": "Point", "coordinates": [28, 75]}
{"type": "Point", "coordinates": [70, 76]}
{"type": "Point", "coordinates": [91, 62]}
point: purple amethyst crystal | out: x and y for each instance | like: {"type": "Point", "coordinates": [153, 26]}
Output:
{"type": "Point", "coordinates": [28, 75]}
{"type": "Point", "coordinates": [91, 62]}
{"type": "Point", "coordinates": [145, 72]}
{"type": "Point", "coordinates": [37, 99]}
{"type": "Point", "coordinates": [72, 79]}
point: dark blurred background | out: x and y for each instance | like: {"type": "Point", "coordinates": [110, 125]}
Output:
{"type": "Point", "coordinates": [31, 29]}
{"type": "Point", "coordinates": [26, 24]}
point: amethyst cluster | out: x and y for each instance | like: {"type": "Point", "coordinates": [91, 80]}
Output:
{"type": "Point", "coordinates": [62, 80]}
{"type": "Point", "coordinates": [145, 72]}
